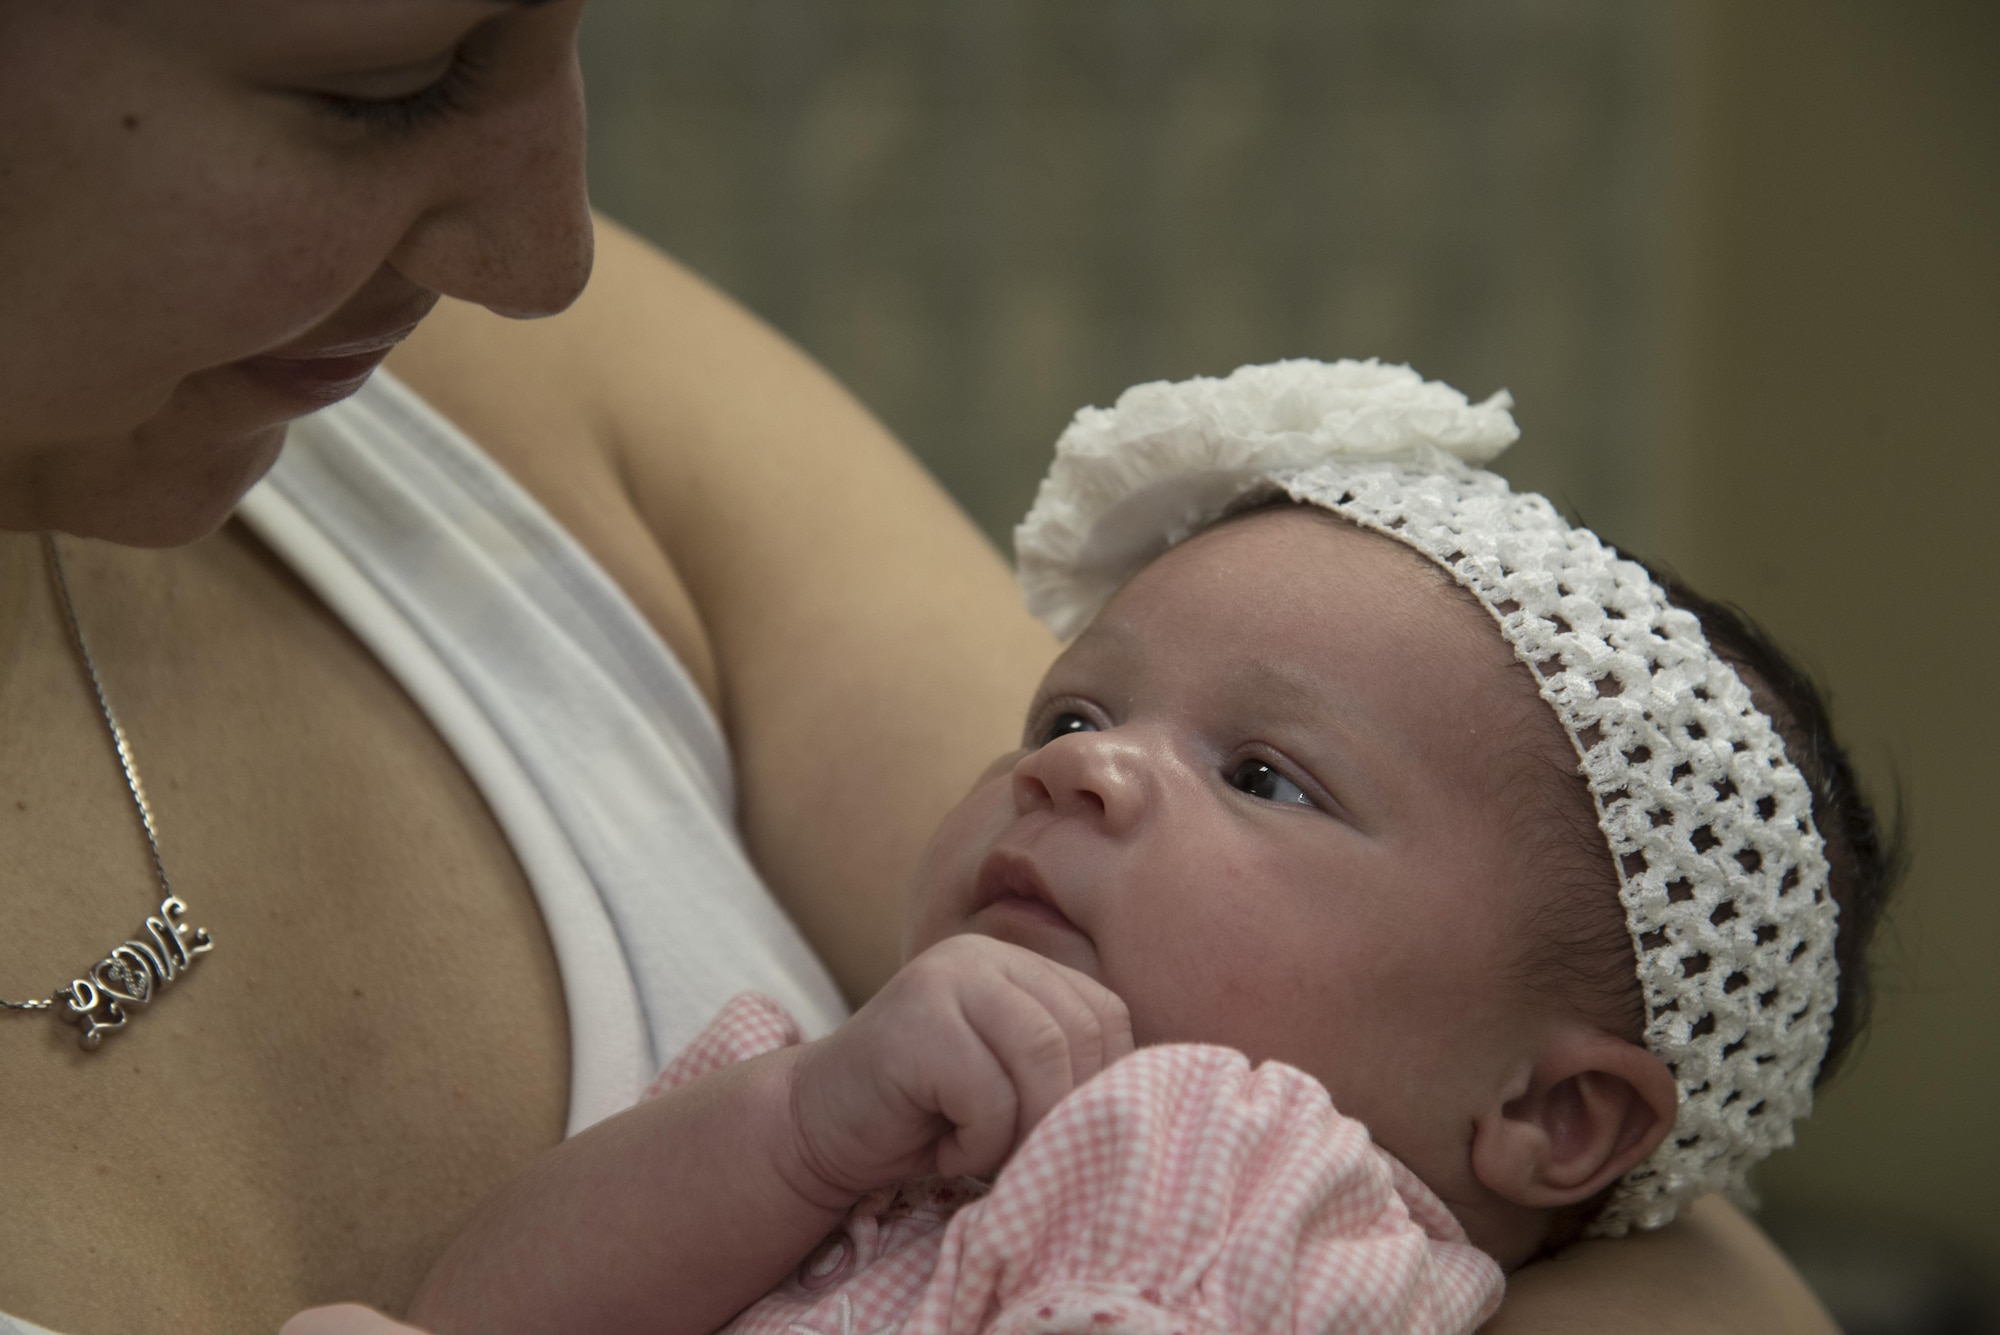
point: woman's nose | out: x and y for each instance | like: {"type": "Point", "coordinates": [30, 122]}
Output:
{"type": "Point", "coordinates": [1097, 776]}
{"type": "Point", "coordinates": [511, 230]}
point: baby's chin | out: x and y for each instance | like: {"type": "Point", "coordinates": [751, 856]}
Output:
{"type": "Point", "coordinates": [1035, 926]}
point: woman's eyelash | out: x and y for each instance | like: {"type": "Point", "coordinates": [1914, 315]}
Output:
{"type": "Point", "coordinates": [446, 96]}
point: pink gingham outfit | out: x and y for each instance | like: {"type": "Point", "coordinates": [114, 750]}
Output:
{"type": "Point", "coordinates": [1180, 1192]}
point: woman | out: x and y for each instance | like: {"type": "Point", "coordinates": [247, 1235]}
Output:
{"type": "Point", "coordinates": [214, 219]}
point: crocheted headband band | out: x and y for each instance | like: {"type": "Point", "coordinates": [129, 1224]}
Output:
{"type": "Point", "coordinates": [1721, 872]}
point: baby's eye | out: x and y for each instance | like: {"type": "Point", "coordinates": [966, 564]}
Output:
{"type": "Point", "coordinates": [1260, 780]}
{"type": "Point", "coordinates": [1062, 725]}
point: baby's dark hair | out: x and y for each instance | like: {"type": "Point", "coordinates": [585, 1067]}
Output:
{"type": "Point", "coordinates": [1578, 943]}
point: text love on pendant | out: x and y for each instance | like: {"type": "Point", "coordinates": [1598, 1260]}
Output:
{"type": "Point", "coordinates": [133, 974]}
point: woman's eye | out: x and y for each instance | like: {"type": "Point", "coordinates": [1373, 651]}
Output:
{"type": "Point", "coordinates": [1260, 780]}
{"type": "Point", "coordinates": [1062, 725]}
{"type": "Point", "coordinates": [447, 94]}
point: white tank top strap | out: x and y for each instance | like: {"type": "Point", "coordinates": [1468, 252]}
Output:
{"type": "Point", "coordinates": [13, 1325]}
{"type": "Point", "coordinates": [596, 752]}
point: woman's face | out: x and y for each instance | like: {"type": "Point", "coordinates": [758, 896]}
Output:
{"type": "Point", "coordinates": [219, 215]}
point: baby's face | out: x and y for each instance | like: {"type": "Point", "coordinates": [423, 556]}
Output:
{"type": "Point", "coordinates": [1272, 797]}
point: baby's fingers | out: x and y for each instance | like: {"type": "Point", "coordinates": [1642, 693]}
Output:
{"type": "Point", "coordinates": [1093, 1018]}
{"type": "Point", "coordinates": [978, 1095]}
{"type": "Point", "coordinates": [1114, 1022]}
{"type": "Point", "coordinates": [1041, 1029]}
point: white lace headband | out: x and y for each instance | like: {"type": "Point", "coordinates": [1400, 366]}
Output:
{"type": "Point", "coordinates": [1721, 872]}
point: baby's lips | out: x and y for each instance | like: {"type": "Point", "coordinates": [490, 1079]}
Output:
{"type": "Point", "coordinates": [1006, 874]}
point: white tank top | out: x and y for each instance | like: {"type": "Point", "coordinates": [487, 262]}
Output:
{"type": "Point", "coordinates": [594, 749]}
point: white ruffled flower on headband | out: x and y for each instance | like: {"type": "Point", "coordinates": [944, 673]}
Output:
{"type": "Point", "coordinates": [1709, 825]}
{"type": "Point", "coordinates": [1200, 440]}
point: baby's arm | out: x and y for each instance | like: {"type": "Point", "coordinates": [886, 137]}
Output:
{"type": "Point", "coordinates": [675, 1215]}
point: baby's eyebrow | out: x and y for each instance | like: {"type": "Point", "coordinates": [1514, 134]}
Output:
{"type": "Point", "coordinates": [1104, 643]}
{"type": "Point", "coordinates": [1288, 689]}
{"type": "Point", "coordinates": [1342, 731]}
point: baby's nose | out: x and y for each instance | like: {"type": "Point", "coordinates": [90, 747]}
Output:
{"type": "Point", "coordinates": [1095, 776]}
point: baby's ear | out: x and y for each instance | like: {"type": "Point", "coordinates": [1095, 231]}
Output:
{"type": "Point", "coordinates": [1594, 1106]}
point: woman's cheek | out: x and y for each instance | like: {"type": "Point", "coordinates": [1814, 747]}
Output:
{"type": "Point", "coordinates": [217, 269]}
{"type": "Point", "coordinates": [300, 247]}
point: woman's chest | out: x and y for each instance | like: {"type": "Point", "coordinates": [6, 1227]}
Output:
{"type": "Point", "coordinates": [377, 1038]}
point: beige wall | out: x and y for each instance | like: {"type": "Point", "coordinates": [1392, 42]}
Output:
{"type": "Point", "coordinates": [985, 214]}
{"type": "Point", "coordinates": [1836, 469]}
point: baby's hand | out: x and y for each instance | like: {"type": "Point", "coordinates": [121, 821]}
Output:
{"type": "Point", "coordinates": [951, 1064]}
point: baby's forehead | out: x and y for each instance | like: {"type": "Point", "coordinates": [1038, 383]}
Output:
{"type": "Point", "coordinates": [1295, 607]}
{"type": "Point", "coordinates": [1374, 599]}
{"type": "Point", "coordinates": [1345, 551]}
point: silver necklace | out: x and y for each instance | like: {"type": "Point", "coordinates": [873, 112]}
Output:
{"type": "Point", "coordinates": [131, 975]}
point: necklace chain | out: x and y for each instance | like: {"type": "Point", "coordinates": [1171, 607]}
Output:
{"type": "Point", "coordinates": [130, 973]}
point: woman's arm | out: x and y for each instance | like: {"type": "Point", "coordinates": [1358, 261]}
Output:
{"type": "Point", "coordinates": [865, 643]}
{"type": "Point", "coordinates": [1711, 1273]}
{"type": "Point", "coordinates": [869, 653]}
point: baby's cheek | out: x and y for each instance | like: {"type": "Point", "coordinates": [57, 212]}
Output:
{"type": "Point", "coordinates": [939, 894]}
{"type": "Point", "coordinates": [1182, 983]}
{"type": "Point", "coordinates": [925, 907]}
{"type": "Point", "coordinates": [1222, 958]}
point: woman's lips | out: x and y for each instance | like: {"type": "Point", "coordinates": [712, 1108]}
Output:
{"type": "Point", "coordinates": [320, 376]}
{"type": "Point", "coordinates": [314, 381]}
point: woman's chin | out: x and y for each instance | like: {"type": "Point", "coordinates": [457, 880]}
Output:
{"type": "Point", "coordinates": [183, 510]}
{"type": "Point", "coordinates": [160, 494]}
{"type": "Point", "coordinates": [176, 476]}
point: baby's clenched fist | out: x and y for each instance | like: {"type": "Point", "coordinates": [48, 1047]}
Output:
{"type": "Point", "coordinates": [950, 1065]}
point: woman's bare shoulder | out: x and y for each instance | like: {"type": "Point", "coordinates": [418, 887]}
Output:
{"type": "Point", "coordinates": [1711, 1271]}
{"type": "Point", "coordinates": [539, 398]}
{"type": "Point", "coordinates": [846, 618]}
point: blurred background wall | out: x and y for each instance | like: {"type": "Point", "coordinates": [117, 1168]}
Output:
{"type": "Point", "coordinates": [983, 214]}
{"type": "Point", "coordinates": [1835, 467]}
{"type": "Point", "coordinates": [1738, 262]}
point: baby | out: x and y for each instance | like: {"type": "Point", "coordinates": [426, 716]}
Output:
{"type": "Point", "coordinates": [1366, 785]}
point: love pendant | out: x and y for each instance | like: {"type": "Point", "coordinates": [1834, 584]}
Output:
{"type": "Point", "coordinates": [133, 974]}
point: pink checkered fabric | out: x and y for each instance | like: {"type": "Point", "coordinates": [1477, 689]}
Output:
{"type": "Point", "coordinates": [1181, 1192]}
{"type": "Point", "coordinates": [750, 1025]}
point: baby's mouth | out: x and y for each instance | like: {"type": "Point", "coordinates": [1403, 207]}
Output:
{"type": "Point", "coordinates": [1010, 888]}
